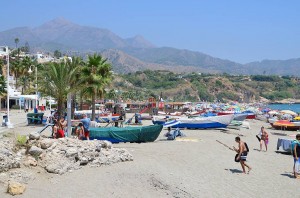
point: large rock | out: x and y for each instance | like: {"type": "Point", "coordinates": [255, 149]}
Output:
{"type": "Point", "coordinates": [106, 144]}
{"type": "Point", "coordinates": [46, 143]}
{"type": "Point", "coordinates": [30, 161]}
{"type": "Point", "coordinates": [8, 162]}
{"type": "Point", "coordinates": [15, 188]}
{"type": "Point", "coordinates": [71, 152]}
{"type": "Point", "coordinates": [35, 151]}
{"type": "Point", "coordinates": [34, 136]}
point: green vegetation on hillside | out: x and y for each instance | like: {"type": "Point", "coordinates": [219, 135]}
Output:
{"type": "Point", "coordinates": [209, 87]}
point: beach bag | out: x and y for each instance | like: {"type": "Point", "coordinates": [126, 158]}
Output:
{"type": "Point", "coordinates": [235, 158]}
{"type": "Point", "coordinates": [257, 136]}
{"type": "Point", "coordinates": [247, 148]}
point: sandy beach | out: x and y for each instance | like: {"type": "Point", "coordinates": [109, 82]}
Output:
{"type": "Point", "coordinates": [196, 166]}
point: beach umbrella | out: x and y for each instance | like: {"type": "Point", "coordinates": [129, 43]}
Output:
{"type": "Point", "coordinates": [266, 110]}
{"type": "Point", "coordinates": [273, 112]}
{"type": "Point", "coordinates": [297, 118]}
{"type": "Point", "coordinates": [289, 112]}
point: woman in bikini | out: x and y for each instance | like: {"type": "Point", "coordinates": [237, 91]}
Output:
{"type": "Point", "coordinates": [264, 138]}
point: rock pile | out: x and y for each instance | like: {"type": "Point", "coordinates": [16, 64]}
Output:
{"type": "Point", "coordinates": [54, 155]}
{"type": "Point", "coordinates": [60, 155]}
{"type": "Point", "coordinates": [65, 154]}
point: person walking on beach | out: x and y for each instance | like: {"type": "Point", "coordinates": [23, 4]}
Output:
{"type": "Point", "coordinates": [263, 137]}
{"type": "Point", "coordinates": [296, 155]}
{"type": "Point", "coordinates": [242, 152]}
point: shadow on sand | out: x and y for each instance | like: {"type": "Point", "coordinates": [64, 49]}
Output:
{"type": "Point", "coordinates": [288, 175]}
{"type": "Point", "coordinates": [278, 133]}
{"type": "Point", "coordinates": [233, 170]}
{"type": "Point", "coordinates": [283, 152]}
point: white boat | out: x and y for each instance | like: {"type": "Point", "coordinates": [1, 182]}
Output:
{"type": "Point", "coordinates": [205, 122]}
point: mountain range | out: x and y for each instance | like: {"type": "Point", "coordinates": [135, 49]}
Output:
{"type": "Point", "coordinates": [136, 53]}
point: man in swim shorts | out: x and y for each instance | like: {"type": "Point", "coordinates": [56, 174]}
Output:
{"type": "Point", "coordinates": [242, 153]}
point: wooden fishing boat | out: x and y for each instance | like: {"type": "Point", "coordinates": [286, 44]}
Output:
{"type": "Point", "coordinates": [127, 134]}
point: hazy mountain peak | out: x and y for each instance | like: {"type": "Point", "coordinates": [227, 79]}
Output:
{"type": "Point", "coordinates": [139, 41]}
{"type": "Point", "coordinates": [57, 23]}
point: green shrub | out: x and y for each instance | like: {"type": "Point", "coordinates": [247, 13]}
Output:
{"type": "Point", "coordinates": [21, 140]}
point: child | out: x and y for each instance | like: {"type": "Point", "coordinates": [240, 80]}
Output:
{"type": "Point", "coordinates": [80, 131]}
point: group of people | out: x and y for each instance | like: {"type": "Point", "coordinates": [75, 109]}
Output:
{"type": "Point", "coordinates": [42, 108]}
{"type": "Point", "coordinates": [82, 130]}
{"type": "Point", "coordinates": [263, 137]}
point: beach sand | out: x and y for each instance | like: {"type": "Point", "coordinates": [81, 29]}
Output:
{"type": "Point", "coordinates": [196, 166]}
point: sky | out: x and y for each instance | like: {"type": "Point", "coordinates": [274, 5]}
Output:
{"type": "Point", "coordinates": [239, 30]}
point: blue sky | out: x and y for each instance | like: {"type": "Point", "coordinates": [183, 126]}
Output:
{"type": "Point", "coordinates": [238, 30]}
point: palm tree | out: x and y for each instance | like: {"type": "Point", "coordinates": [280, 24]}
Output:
{"type": "Point", "coordinates": [2, 86]}
{"type": "Point", "coordinates": [59, 80]}
{"type": "Point", "coordinates": [16, 42]}
{"type": "Point", "coordinates": [96, 74]}
{"type": "Point", "coordinates": [16, 68]}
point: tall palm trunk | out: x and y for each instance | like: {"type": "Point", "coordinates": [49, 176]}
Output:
{"type": "Point", "coordinates": [93, 106]}
{"type": "Point", "coordinates": [81, 101]}
{"type": "Point", "coordinates": [73, 105]}
{"type": "Point", "coordinates": [60, 106]}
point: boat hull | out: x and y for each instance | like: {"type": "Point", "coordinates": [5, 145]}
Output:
{"type": "Point", "coordinates": [127, 134]}
{"type": "Point", "coordinates": [205, 122]}
{"type": "Point", "coordinates": [286, 125]}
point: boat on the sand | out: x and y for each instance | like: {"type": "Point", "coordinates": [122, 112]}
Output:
{"type": "Point", "coordinates": [127, 134]}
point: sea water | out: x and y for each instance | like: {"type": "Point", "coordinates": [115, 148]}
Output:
{"type": "Point", "coordinates": [292, 107]}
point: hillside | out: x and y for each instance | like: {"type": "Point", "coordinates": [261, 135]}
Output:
{"type": "Point", "coordinates": [195, 87]}
{"type": "Point", "coordinates": [275, 67]}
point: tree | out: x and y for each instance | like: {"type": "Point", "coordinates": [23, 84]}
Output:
{"type": "Point", "coordinates": [112, 94]}
{"type": "Point", "coordinates": [2, 85]}
{"type": "Point", "coordinates": [57, 54]}
{"type": "Point", "coordinates": [16, 42]}
{"type": "Point", "coordinates": [26, 47]}
{"type": "Point", "coordinates": [96, 74]}
{"type": "Point", "coordinates": [59, 79]}
{"type": "Point", "coordinates": [15, 68]}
